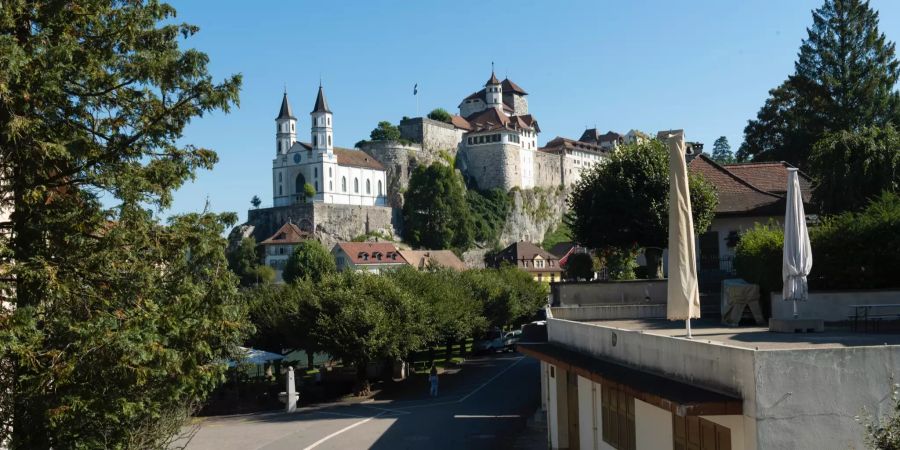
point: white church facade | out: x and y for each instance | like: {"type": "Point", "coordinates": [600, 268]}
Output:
{"type": "Point", "coordinates": [335, 175]}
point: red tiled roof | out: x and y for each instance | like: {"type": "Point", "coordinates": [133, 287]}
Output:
{"type": "Point", "coordinates": [770, 177]}
{"type": "Point", "coordinates": [287, 234]}
{"type": "Point", "coordinates": [362, 253]}
{"type": "Point", "coordinates": [493, 119]}
{"type": "Point", "coordinates": [736, 195]}
{"type": "Point", "coordinates": [351, 157]}
{"type": "Point", "coordinates": [460, 122]}
{"type": "Point", "coordinates": [559, 143]}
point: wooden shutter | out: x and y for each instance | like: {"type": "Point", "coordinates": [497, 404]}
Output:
{"type": "Point", "coordinates": [695, 433]}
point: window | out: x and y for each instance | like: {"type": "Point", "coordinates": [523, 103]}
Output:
{"type": "Point", "coordinates": [315, 172]}
{"type": "Point", "coordinates": [329, 171]}
{"type": "Point", "coordinates": [292, 127]}
{"type": "Point", "coordinates": [279, 177]}
{"type": "Point", "coordinates": [694, 432]}
{"type": "Point", "coordinates": [368, 187]}
{"type": "Point", "coordinates": [315, 144]}
{"type": "Point", "coordinates": [379, 188]}
{"type": "Point", "coordinates": [618, 418]}
{"type": "Point", "coordinates": [539, 263]}
{"type": "Point", "coordinates": [329, 121]}
{"type": "Point", "coordinates": [279, 190]}
{"type": "Point", "coordinates": [329, 186]}
{"type": "Point", "coordinates": [299, 182]}
{"type": "Point", "coordinates": [344, 184]}
{"type": "Point", "coordinates": [329, 140]}
{"type": "Point", "coordinates": [356, 185]}
{"type": "Point", "coordinates": [316, 186]}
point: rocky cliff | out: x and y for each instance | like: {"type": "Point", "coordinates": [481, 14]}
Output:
{"type": "Point", "coordinates": [533, 213]}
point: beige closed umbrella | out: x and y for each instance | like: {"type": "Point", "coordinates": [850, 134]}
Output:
{"type": "Point", "coordinates": [683, 300]}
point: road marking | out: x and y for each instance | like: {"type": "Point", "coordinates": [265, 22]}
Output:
{"type": "Point", "coordinates": [475, 416]}
{"type": "Point", "coordinates": [347, 428]}
{"type": "Point", "coordinates": [492, 379]}
{"type": "Point", "coordinates": [387, 410]}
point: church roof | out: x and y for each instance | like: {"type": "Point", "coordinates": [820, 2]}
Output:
{"type": "Point", "coordinates": [351, 158]}
{"type": "Point", "coordinates": [287, 234]}
{"type": "Point", "coordinates": [285, 112]}
{"type": "Point", "coordinates": [321, 103]}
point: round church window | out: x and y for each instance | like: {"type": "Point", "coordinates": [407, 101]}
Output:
{"type": "Point", "coordinates": [296, 158]}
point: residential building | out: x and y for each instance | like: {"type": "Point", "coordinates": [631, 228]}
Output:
{"type": "Point", "coordinates": [367, 256]}
{"type": "Point", "coordinates": [576, 156]}
{"type": "Point", "coordinates": [426, 259]}
{"type": "Point", "coordinates": [640, 384]}
{"type": "Point", "coordinates": [337, 175]}
{"type": "Point", "coordinates": [541, 264]}
{"type": "Point", "coordinates": [279, 247]}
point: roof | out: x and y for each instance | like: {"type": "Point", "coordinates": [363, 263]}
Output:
{"type": "Point", "coordinates": [771, 177]}
{"type": "Point", "coordinates": [493, 119]}
{"type": "Point", "coordinates": [509, 86]}
{"type": "Point", "coordinates": [285, 112]}
{"type": "Point", "coordinates": [351, 158]}
{"type": "Point", "coordinates": [492, 80]}
{"type": "Point", "coordinates": [562, 249]}
{"type": "Point", "coordinates": [460, 122]}
{"type": "Point", "coordinates": [287, 234]}
{"type": "Point", "coordinates": [560, 143]}
{"type": "Point", "coordinates": [321, 104]}
{"type": "Point", "coordinates": [371, 253]}
{"type": "Point", "coordinates": [526, 251]}
{"type": "Point", "coordinates": [736, 195]}
{"type": "Point", "coordinates": [423, 259]}
{"type": "Point", "coordinates": [610, 136]}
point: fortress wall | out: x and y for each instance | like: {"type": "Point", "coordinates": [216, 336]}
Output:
{"type": "Point", "coordinates": [493, 165]}
{"type": "Point", "coordinates": [548, 169]}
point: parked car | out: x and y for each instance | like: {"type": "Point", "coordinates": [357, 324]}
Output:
{"type": "Point", "coordinates": [497, 340]}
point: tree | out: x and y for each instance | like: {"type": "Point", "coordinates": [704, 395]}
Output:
{"type": "Point", "coordinates": [309, 261]}
{"type": "Point", "coordinates": [439, 114]}
{"type": "Point", "coordinates": [722, 151]}
{"type": "Point", "coordinates": [285, 318]}
{"type": "Point", "coordinates": [509, 296]}
{"type": "Point", "coordinates": [367, 318]}
{"type": "Point", "coordinates": [845, 78]}
{"type": "Point", "coordinates": [308, 191]}
{"type": "Point", "coordinates": [255, 201]}
{"type": "Point", "coordinates": [624, 203]}
{"type": "Point", "coordinates": [852, 168]}
{"type": "Point", "coordinates": [385, 132]}
{"type": "Point", "coordinates": [580, 266]}
{"type": "Point", "coordinates": [94, 97]}
{"type": "Point", "coordinates": [244, 261]}
{"type": "Point", "coordinates": [435, 213]}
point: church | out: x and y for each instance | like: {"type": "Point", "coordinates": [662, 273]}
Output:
{"type": "Point", "coordinates": [334, 175]}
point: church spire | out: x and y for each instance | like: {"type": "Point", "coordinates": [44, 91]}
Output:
{"type": "Point", "coordinates": [285, 112]}
{"type": "Point", "coordinates": [321, 103]}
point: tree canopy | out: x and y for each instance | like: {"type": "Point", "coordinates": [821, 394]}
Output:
{"type": "Point", "coordinates": [435, 213]}
{"type": "Point", "coordinates": [845, 78]}
{"type": "Point", "coordinates": [580, 266]}
{"type": "Point", "coordinates": [722, 151]}
{"type": "Point", "coordinates": [439, 114]}
{"type": "Point", "coordinates": [94, 99]}
{"type": "Point", "coordinates": [309, 261]}
{"type": "Point", "coordinates": [624, 203]}
{"type": "Point", "coordinates": [385, 131]}
{"type": "Point", "coordinates": [243, 260]}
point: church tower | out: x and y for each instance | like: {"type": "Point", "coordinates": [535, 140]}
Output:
{"type": "Point", "coordinates": [285, 127]}
{"type": "Point", "coordinates": [321, 124]}
{"type": "Point", "coordinates": [493, 91]}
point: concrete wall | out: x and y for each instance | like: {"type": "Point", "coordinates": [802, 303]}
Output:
{"type": "Point", "coordinates": [834, 306]}
{"type": "Point", "coordinates": [606, 293]}
{"type": "Point", "coordinates": [603, 312]}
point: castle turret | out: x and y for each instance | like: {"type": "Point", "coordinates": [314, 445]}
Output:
{"type": "Point", "coordinates": [285, 127]}
{"type": "Point", "coordinates": [321, 124]}
{"type": "Point", "coordinates": [493, 91]}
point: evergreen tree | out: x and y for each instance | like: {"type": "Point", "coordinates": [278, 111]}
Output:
{"type": "Point", "coordinates": [845, 78]}
{"type": "Point", "coordinates": [120, 322]}
{"type": "Point", "coordinates": [722, 151]}
{"type": "Point", "coordinates": [255, 201]}
{"type": "Point", "coordinates": [385, 132]}
{"type": "Point", "coordinates": [435, 213]}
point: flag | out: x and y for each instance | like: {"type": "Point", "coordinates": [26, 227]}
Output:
{"type": "Point", "coordinates": [416, 89]}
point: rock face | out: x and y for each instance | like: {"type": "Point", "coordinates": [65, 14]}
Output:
{"type": "Point", "coordinates": [533, 213]}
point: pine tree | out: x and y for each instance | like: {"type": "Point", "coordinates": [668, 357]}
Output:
{"type": "Point", "coordinates": [722, 151]}
{"type": "Point", "coordinates": [845, 78]}
{"type": "Point", "coordinates": [120, 322]}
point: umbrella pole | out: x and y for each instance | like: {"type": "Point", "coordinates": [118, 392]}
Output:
{"type": "Point", "coordinates": [795, 309]}
{"type": "Point", "coordinates": [687, 324]}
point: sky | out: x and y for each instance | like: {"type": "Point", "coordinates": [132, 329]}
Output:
{"type": "Point", "coordinates": [705, 66]}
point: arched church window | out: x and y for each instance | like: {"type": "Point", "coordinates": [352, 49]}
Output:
{"type": "Point", "coordinates": [329, 121]}
{"type": "Point", "coordinates": [329, 171]}
{"type": "Point", "coordinates": [329, 186]}
{"type": "Point", "coordinates": [314, 141]}
{"type": "Point", "coordinates": [356, 185]}
{"type": "Point", "coordinates": [292, 127]}
{"type": "Point", "coordinates": [368, 187]}
{"type": "Point", "coordinates": [379, 188]}
{"type": "Point", "coordinates": [316, 186]}
{"type": "Point", "coordinates": [329, 140]}
{"type": "Point", "coordinates": [299, 182]}
{"type": "Point", "coordinates": [315, 172]}
{"type": "Point", "coordinates": [279, 190]}
{"type": "Point", "coordinates": [344, 184]}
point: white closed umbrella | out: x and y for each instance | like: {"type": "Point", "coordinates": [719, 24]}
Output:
{"type": "Point", "coordinates": [797, 254]}
{"type": "Point", "coordinates": [683, 299]}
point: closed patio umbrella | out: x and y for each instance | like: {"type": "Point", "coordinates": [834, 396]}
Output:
{"type": "Point", "coordinates": [683, 299]}
{"type": "Point", "coordinates": [797, 253]}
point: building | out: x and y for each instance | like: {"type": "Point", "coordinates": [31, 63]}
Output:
{"type": "Point", "coordinates": [576, 157]}
{"type": "Point", "coordinates": [426, 259]}
{"type": "Point", "coordinates": [640, 384]}
{"type": "Point", "coordinates": [337, 175]}
{"type": "Point", "coordinates": [541, 264]}
{"type": "Point", "coordinates": [367, 256]}
{"type": "Point", "coordinates": [279, 247]}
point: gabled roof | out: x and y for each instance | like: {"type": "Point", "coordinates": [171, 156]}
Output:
{"type": "Point", "coordinates": [285, 112]}
{"type": "Point", "coordinates": [509, 86]}
{"type": "Point", "coordinates": [423, 259]}
{"type": "Point", "coordinates": [771, 177]}
{"type": "Point", "coordinates": [350, 157]}
{"type": "Point", "coordinates": [321, 104]}
{"type": "Point", "coordinates": [493, 119]}
{"type": "Point", "coordinates": [559, 143]}
{"type": "Point", "coordinates": [590, 135]}
{"type": "Point", "coordinates": [562, 249]}
{"type": "Point", "coordinates": [287, 234]}
{"type": "Point", "coordinates": [460, 122]}
{"type": "Point", "coordinates": [370, 253]}
{"type": "Point", "coordinates": [524, 250]}
{"type": "Point", "coordinates": [736, 195]}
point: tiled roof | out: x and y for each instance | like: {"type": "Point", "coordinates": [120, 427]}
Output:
{"type": "Point", "coordinates": [509, 86]}
{"type": "Point", "coordinates": [493, 119]}
{"type": "Point", "coordinates": [526, 251]}
{"type": "Point", "coordinates": [770, 177]}
{"type": "Point", "coordinates": [423, 259]}
{"type": "Point", "coordinates": [351, 157]}
{"type": "Point", "coordinates": [611, 136]}
{"type": "Point", "coordinates": [562, 249]}
{"type": "Point", "coordinates": [287, 234]}
{"type": "Point", "coordinates": [560, 143]}
{"type": "Point", "coordinates": [460, 122]}
{"type": "Point", "coordinates": [492, 80]}
{"type": "Point", "coordinates": [370, 253]}
{"type": "Point", "coordinates": [736, 195]}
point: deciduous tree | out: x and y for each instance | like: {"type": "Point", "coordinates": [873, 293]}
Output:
{"type": "Point", "coordinates": [435, 213]}
{"type": "Point", "coordinates": [309, 261]}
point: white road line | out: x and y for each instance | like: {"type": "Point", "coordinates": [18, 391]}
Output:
{"type": "Point", "coordinates": [387, 410]}
{"type": "Point", "coordinates": [347, 428]}
{"type": "Point", "coordinates": [492, 379]}
{"type": "Point", "coordinates": [475, 416]}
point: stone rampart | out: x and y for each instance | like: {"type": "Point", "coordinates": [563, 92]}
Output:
{"type": "Point", "coordinates": [548, 169]}
{"type": "Point", "coordinates": [435, 136]}
{"type": "Point", "coordinates": [492, 165]}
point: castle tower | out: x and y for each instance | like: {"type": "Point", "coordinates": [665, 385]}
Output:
{"type": "Point", "coordinates": [321, 124]}
{"type": "Point", "coordinates": [285, 127]}
{"type": "Point", "coordinates": [493, 91]}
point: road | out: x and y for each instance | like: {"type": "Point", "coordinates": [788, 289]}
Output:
{"type": "Point", "coordinates": [483, 406]}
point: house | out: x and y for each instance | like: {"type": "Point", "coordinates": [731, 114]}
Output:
{"type": "Point", "coordinates": [564, 250]}
{"type": "Point", "coordinates": [368, 256]}
{"type": "Point", "coordinates": [279, 247]}
{"type": "Point", "coordinates": [542, 265]}
{"type": "Point", "coordinates": [424, 259]}
{"type": "Point", "coordinates": [640, 384]}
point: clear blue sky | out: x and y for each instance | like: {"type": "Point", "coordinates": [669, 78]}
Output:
{"type": "Point", "coordinates": [705, 66]}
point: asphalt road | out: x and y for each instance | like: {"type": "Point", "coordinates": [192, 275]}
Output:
{"type": "Point", "coordinates": [483, 406]}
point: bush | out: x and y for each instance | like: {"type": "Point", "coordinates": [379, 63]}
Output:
{"type": "Point", "coordinates": [488, 210]}
{"type": "Point", "coordinates": [580, 266]}
{"type": "Point", "coordinates": [439, 114]}
{"type": "Point", "coordinates": [757, 257]}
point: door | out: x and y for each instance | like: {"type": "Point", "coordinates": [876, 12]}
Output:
{"type": "Point", "coordinates": [572, 394]}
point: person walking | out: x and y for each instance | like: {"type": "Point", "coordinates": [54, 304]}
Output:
{"type": "Point", "coordinates": [433, 379]}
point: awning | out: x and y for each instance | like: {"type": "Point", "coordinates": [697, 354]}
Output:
{"type": "Point", "coordinates": [680, 398]}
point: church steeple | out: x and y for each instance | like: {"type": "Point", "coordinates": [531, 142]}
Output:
{"type": "Point", "coordinates": [321, 123]}
{"type": "Point", "coordinates": [493, 90]}
{"type": "Point", "coordinates": [285, 127]}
